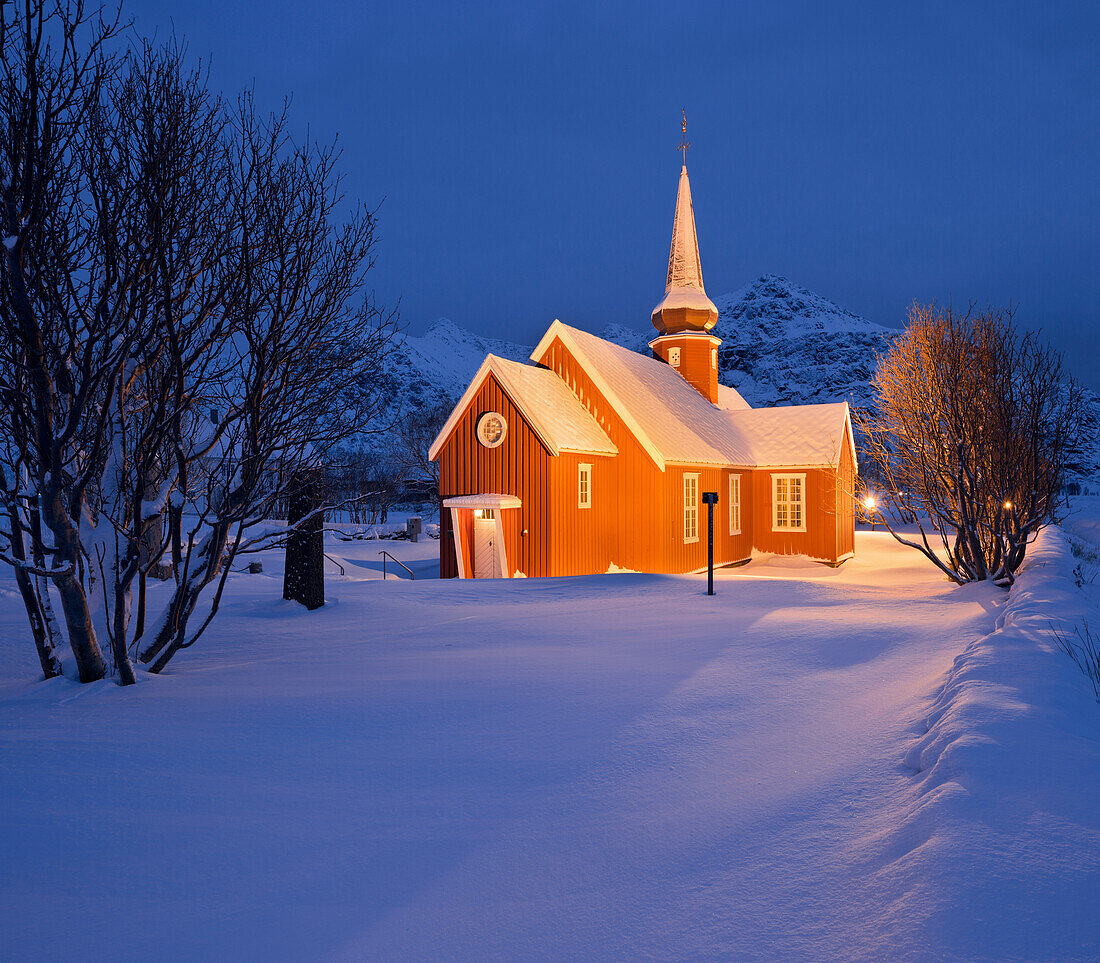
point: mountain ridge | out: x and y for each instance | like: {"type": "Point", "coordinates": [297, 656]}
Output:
{"type": "Point", "coordinates": [781, 345]}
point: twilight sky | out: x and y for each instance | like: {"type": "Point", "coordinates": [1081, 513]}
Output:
{"type": "Point", "coordinates": [873, 152]}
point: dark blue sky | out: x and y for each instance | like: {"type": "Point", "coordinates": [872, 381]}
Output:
{"type": "Point", "coordinates": [874, 152]}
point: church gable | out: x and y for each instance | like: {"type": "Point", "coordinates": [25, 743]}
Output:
{"type": "Point", "coordinates": [558, 353]}
{"type": "Point", "coordinates": [551, 411]}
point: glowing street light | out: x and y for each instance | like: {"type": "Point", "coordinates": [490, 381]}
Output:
{"type": "Point", "coordinates": [869, 505]}
{"type": "Point", "coordinates": [1008, 506]}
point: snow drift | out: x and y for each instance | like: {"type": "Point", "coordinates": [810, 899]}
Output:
{"type": "Point", "coordinates": [1001, 851]}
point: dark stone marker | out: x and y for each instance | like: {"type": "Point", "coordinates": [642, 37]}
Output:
{"type": "Point", "coordinates": [304, 575]}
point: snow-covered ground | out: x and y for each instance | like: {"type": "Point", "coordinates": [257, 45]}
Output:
{"type": "Point", "coordinates": [863, 763]}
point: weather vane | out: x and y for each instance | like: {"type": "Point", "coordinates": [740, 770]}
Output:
{"type": "Point", "coordinates": [684, 145]}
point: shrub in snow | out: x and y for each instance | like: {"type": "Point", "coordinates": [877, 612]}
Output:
{"type": "Point", "coordinates": [970, 439]}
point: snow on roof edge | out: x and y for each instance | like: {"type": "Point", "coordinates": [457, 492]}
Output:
{"type": "Point", "coordinates": [561, 330]}
{"type": "Point", "coordinates": [499, 367]}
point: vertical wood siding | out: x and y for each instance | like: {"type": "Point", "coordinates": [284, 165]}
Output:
{"type": "Point", "coordinates": [695, 365]}
{"type": "Point", "coordinates": [636, 516]}
{"type": "Point", "coordinates": [846, 502]}
{"type": "Point", "coordinates": [519, 466]}
{"type": "Point", "coordinates": [823, 534]}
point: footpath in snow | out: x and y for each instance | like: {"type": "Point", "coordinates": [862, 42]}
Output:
{"type": "Point", "coordinates": [864, 762]}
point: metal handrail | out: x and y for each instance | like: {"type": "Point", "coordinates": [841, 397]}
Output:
{"type": "Point", "coordinates": [386, 555]}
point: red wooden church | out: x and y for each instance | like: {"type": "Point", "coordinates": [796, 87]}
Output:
{"type": "Point", "coordinates": [594, 458]}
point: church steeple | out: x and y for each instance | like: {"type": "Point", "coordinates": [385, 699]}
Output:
{"type": "Point", "coordinates": [685, 314]}
{"type": "Point", "coordinates": [685, 306]}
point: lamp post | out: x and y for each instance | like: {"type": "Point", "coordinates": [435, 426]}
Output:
{"type": "Point", "coordinates": [711, 499]}
{"type": "Point", "coordinates": [869, 507]}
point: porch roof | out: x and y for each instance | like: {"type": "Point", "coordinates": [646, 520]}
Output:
{"type": "Point", "coordinates": [482, 501]}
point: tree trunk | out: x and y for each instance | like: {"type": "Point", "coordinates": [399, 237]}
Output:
{"type": "Point", "coordinates": [150, 551]}
{"type": "Point", "coordinates": [304, 575]}
{"type": "Point", "coordinates": [175, 527]}
{"type": "Point", "coordinates": [40, 629]}
{"type": "Point", "coordinates": [51, 665]}
{"type": "Point", "coordinates": [74, 605]}
{"type": "Point", "coordinates": [123, 579]}
{"type": "Point", "coordinates": [172, 632]}
{"type": "Point", "coordinates": [42, 585]}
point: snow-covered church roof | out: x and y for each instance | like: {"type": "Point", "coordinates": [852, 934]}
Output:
{"type": "Point", "coordinates": [795, 435]}
{"type": "Point", "coordinates": [677, 425]}
{"type": "Point", "coordinates": [554, 413]}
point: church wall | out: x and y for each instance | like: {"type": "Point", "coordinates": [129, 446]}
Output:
{"type": "Point", "coordinates": [636, 518]}
{"type": "Point", "coordinates": [520, 466]}
{"type": "Point", "coordinates": [846, 502]}
{"type": "Point", "coordinates": [820, 538]}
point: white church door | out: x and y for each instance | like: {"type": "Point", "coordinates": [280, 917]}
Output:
{"type": "Point", "coordinates": [486, 556]}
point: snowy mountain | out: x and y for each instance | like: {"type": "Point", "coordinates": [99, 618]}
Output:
{"type": "Point", "coordinates": [440, 363]}
{"type": "Point", "coordinates": [781, 344]}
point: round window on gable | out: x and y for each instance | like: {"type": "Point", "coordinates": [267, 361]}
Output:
{"type": "Point", "coordinates": [491, 429]}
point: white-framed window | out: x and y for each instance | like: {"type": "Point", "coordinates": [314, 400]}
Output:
{"type": "Point", "coordinates": [491, 429]}
{"type": "Point", "coordinates": [584, 486]}
{"type": "Point", "coordinates": [735, 504]}
{"type": "Point", "coordinates": [691, 507]}
{"type": "Point", "coordinates": [674, 357]}
{"type": "Point", "coordinates": [714, 357]}
{"type": "Point", "coordinates": [788, 503]}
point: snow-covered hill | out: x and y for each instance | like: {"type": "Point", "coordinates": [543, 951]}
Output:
{"type": "Point", "coordinates": [781, 344]}
{"type": "Point", "coordinates": [440, 363]}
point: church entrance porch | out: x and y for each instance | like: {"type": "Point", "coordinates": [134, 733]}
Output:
{"type": "Point", "coordinates": [478, 527]}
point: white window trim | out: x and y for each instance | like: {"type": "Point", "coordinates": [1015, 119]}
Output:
{"type": "Point", "coordinates": [688, 540]}
{"type": "Point", "coordinates": [582, 470]}
{"type": "Point", "coordinates": [776, 527]}
{"type": "Point", "coordinates": [481, 422]}
{"type": "Point", "coordinates": [674, 356]}
{"type": "Point", "coordinates": [735, 505]}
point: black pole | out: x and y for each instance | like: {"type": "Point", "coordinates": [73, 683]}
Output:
{"type": "Point", "coordinates": [710, 548]}
{"type": "Point", "coordinates": [710, 498]}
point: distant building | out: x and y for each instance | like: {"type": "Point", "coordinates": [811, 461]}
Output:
{"type": "Point", "coordinates": [595, 457]}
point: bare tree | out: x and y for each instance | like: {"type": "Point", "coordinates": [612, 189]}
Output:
{"type": "Point", "coordinates": [59, 314]}
{"type": "Point", "coordinates": [969, 442]}
{"type": "Point", "coordinates": [418, 429]}
{"type": "Point", "coordinates": [161, 142]}
{"type": "Point", "coordinates": [307, 344]}
{"type": "Point", "coordinates": [184, 320]}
